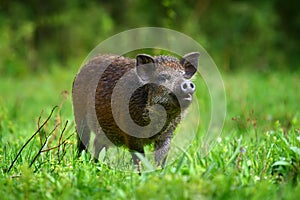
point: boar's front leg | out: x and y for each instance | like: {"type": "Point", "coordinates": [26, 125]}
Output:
{"type": "Point", "coordinates": [162, 147]}
{"type": "Point", "coordinates": [135, 158]}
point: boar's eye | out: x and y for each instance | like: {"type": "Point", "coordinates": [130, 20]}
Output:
{"type": "Point", "coordinates": [163, 77]}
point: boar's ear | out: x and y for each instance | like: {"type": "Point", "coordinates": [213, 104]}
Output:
{"type": "Point", "coordinates": [145, 66]}
{"type": "Point", "coordinates": [190, 64]}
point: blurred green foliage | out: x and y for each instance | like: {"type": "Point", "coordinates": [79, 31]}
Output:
{"type": "Point", "coordinates": [259, 35]}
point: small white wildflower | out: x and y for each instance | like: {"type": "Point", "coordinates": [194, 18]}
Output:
{"type": "Point", "coordinates": [256, 178]}
{"type": "Point", "coordinates": [249, 163]}
{"type": "Point", "coordinates": [282, 158]}
{"type": "Point", "coordinates": [219, 139]}
{"type": "Point", "coordinates": [269, 133]}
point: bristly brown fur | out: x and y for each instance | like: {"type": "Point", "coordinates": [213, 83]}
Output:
{"type": "Point", "coordinates": [98, 79]}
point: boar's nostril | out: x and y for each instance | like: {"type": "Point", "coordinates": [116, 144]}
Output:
{"type": "Point", "coordinates": [192, 85]}
{"type": "Point", "coordinates": [187, 87]}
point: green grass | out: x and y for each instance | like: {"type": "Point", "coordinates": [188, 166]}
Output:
{"type": "Point", "coordinates": [257, 156]}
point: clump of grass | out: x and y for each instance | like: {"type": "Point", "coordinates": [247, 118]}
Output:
{"type": "Point", "coordinates": [50, 140]}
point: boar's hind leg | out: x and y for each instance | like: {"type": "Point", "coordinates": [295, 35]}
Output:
{"type": "Point", "coordinates": [83, 137]}
{"type": "Point", "coordinates": [100, 142]}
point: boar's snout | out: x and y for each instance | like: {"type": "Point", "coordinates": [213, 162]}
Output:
{"type": "Point", "coordinates": [187, 87]}
{"type": "Point", "coordinates": [185, 91]}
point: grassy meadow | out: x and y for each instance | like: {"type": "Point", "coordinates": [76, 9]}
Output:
{"type": "Point", "coordinates": [256, 157]}
{"type": "Point", "coordinates": [256, 46]}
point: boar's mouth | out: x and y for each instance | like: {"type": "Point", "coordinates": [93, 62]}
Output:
{"type": "Point", "coordinates": [185, 100]}
{"type": "Point", "coordinates": [187, 97]}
